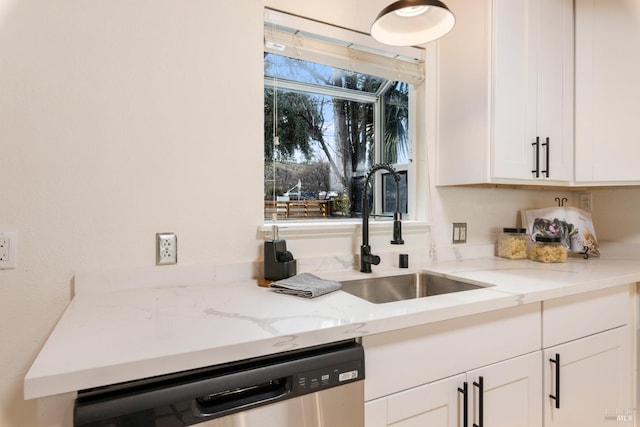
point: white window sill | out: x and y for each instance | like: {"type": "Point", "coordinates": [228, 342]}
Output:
{"type": "Point", "coordinates": [318, 229]}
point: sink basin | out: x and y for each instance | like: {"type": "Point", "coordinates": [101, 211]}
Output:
{"type": "Point", "coordinates": [380, 290]}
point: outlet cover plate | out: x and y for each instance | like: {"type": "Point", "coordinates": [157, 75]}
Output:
{"type": "Point", "coordinates": [586, 202]}
{"type": "Point", "coordinates": [8, 253]}
{"type": "Point", "coordinates": [166, 248]}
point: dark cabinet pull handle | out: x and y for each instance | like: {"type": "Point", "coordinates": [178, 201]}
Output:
{"type": "Point", "coordinates": [465, 403]}
{"type": "Point", "coordinates": [547, 146]}
{"type": "Point", "coordinates": [557, 396]}
{"type": "Point", "coordinates": [480, 385]}
{"type": "Point", "coordinates": [537, 145]}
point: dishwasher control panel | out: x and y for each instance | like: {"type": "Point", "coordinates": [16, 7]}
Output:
{"type": "Point", "coordinates": [323, 378]}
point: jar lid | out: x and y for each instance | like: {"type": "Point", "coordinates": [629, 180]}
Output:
{"type": "Point", "coordinates": [514, 230]}
{"type": "Point", "coordinates": [546, 239]}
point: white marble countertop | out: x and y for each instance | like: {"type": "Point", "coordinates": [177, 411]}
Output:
{"type": "Point", "coordinates": [110, 337]}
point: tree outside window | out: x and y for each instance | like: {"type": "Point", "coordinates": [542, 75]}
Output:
{"type": "Point", "coordinates": [321, 128]}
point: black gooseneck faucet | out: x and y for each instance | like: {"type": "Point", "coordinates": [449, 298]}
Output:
{"type": "Point", "coordinates": [366, 257]}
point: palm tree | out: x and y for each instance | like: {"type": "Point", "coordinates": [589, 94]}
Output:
{"type": "Point", "coordinates": [354, 127]}
{"type": "Point", "coordinates": [396, 117]}
{"type": "Point", "coordinates": [301, 121]}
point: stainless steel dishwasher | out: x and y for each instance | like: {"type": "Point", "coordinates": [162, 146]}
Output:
{"type": "Point", "coordinates": [316, 387]}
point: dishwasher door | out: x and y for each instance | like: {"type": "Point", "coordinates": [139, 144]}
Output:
{"type": "Point", "coordinates": [318, 387]}
{"type": "Point", "coordinates": [337, 407]}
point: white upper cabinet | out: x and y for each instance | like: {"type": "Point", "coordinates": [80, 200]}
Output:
{"type": "Point", "coordinates": [505, 93]}
{"type": "Point", "coordinates": [607, 91]}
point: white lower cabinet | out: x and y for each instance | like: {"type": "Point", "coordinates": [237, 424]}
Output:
{"type": "Point", "coordinates": [590, 336]}
{"type": "Point", "coordinates": [567, 363]}
{"type": "Point", "coordinates": [588, 382]}
{"type": "Point", "coordinates": [502, 394]}
{"type": "Point", "coordinates": [507, 393]}
{"type": "Point", "coordinates": [416, 376]}
{"type": "Point", "coordinates": [436, 404]}
{"type": "Point", "coordinates": [407, 358]}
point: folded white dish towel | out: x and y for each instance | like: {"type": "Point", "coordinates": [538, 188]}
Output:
{"type": "Point", "coordinates": [305, 285]}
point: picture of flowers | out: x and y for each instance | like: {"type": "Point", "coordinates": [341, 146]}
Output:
{"type": "Point", "coordinates": [574, 226]}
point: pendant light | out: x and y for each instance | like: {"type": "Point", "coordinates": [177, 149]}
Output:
{"type": "Point", "coordinates": [412, 22]}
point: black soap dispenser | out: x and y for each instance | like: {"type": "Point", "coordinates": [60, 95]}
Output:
{"type": "Point", "coordinates": [278, 261]}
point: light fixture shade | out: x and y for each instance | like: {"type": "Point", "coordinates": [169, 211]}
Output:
{"type": "Point", "coordinates": [412, 22]}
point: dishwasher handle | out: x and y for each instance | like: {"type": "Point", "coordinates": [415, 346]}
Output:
{"type": "Point", "coordinates": [241, 398]}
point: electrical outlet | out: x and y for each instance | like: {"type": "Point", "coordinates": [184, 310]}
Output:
{"type": "Point", "coordinates": [166, 248]}
{"type": "Point", "coordinates": [7, 249]}
{"type": "Point", "coordinates": [586, 202]}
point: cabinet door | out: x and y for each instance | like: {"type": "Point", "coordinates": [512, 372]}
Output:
{"type": "Point", "coordinates": [375, 413]}
{"type": "Point", "coordinates": [515, 88]}
{"type": "Point", "coordinates": [464, 96]}
{"type": "Point", "coordinates": [437, 404]}
{"type": "Point", "coordinates": [607, 92]}
{"type": "Point", "coordinates": [505, 78]}
{"type": "Point", "coordinates": [533, 90]}
{"type": "Point", "coordinates": [555, 93]}
{"type": "Point", "coordinates": [595, 384]}
{"type": "Point", "coordinates": [510, 393]}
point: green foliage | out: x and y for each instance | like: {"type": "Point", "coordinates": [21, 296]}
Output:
{"type": "Point", "coordinates": [299, 122]}
{"type": "Point", "coordinates": [396, 118]}
{"type": "Point", "coordinates": [340, 206]}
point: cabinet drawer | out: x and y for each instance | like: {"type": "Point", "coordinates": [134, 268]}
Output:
{"type": "Point", "coordinates": [568, 318]}
{"type": "Point", "coordinates": [406, 358]}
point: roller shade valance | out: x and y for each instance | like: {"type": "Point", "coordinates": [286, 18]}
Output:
{"type": "Point", "coordinates": [285, 35]}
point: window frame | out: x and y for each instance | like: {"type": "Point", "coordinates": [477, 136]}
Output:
{"type": "Point", "coordinates": [327, 32]}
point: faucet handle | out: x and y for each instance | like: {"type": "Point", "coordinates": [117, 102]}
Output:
{"type": "Point", "coordinates": [367, 259]}
{"type": "Point", "coordinates": [374, 259]}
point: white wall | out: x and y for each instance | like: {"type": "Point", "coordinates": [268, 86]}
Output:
{"type": "Point", "coordinates": [120, 119]}
{"type": "Point", "coordinates": [123, 118]}
{"type": "Point", "coordinates": [616, 215]}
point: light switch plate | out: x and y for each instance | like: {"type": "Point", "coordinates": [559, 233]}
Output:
{"type": "Point", "coordinates": [459, 232]}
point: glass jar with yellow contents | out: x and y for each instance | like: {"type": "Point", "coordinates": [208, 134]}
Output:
{"type": "Point", "coordinates": [512, 243]}
{"type": "Point", "coordinates": [547, 249]}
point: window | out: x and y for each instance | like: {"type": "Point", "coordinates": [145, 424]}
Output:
{"type": "Point", "coordinates": [390, 193]}
{"type": "Point", "coordinates": [332, 110]}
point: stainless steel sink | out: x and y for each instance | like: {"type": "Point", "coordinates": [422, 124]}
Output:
{"type": "Point", "coordinates": [380, 290]}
